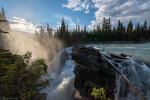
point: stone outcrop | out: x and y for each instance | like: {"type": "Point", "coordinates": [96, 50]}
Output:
{"type": "Point", "coordinates": [101, 70]}
{"type": "Point", "coordinates": [92, 71]}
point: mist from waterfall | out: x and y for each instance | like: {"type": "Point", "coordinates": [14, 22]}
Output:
{"type": "Point", "coordinates": [40, 47]}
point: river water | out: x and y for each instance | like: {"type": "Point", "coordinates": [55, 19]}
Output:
{"type": "Point", "coordinates": [137, 67]}
{"type": "Point", "coordinates": [140, 51]}
{"type": "Point", "coordinates": [61, 87]}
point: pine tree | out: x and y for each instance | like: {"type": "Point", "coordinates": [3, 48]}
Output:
{"type": "Point", "coordinates": [130, 26]}
{"type": "Point", "coordinates": [3, 12]}
{"type": "Point", "coordinates": [63, 27]}
{"type": "Point", "coordinates": [41, 31]}
{"type": "Point", "coordinates": [145, 25]}
{"type": "Point", "coordinates": [4, 25]}
{"type": "Point", "coordinates": [85, 29]}
{"type": "Point", "coordinates": [138, 27]}
{"type": "Point", "coordinates": [98, 27]}
{"type": "Point", "coordinates": [49, 30]}
{"type": "Point", "coordinates": [120, 26]}
{"type": "Point", "coordinates": [106, 24]}
{"type": "Point", "coordinates": [78, 28]}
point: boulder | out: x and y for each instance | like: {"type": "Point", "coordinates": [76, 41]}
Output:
{"type": "Point", "coordinates": [92, 71]}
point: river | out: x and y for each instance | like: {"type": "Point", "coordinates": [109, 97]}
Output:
{"type": "Point", "coordinates": [140, 51]}
{"type": "Point", "coordinates": [61, 87]}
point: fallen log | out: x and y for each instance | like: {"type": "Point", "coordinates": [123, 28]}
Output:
{"type": "Point", "coordinates": [132, 88]}
{"type": "Point", "coordinates": [118, 56]}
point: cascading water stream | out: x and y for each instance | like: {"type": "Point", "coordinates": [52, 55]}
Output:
{"type": "Point", "coordinates": [139, 74]}
{"type": "Point", "coordinates": [62, 85]}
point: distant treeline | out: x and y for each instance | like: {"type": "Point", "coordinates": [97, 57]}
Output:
{"type": "Point", "coordinates": [102, 33]}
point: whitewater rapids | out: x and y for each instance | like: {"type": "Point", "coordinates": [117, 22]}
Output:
{"type": "Point", "coordinates": [62, 84]}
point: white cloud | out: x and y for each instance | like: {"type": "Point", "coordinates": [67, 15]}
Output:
{"type": "Point", "coordinates": [78, 5]}
{"type": "Point", "coordinates": [73, 4]}
{"type": "Point", "coordinates": [20, 24]}
{"type": "Point", "coordinates": [137, 10]}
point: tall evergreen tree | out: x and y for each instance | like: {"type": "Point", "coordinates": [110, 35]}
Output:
{"type": "Point", "coordinates": [78, 29]}
{"type": "Point", "coordinates": [41, 31]}
{"type": "Point", "coordinates": [138, 27]}
{"type": "Point", "coordinates": [145, 25]}
{"type": "Point", "coordinates": [106, 24]}
{"type": "Point", "coordinates": [120, 26]}
{"type": "Point", "coordinates": [85, 29]}
{"type": "Point", "coordinates": [3, 12]}
{"type": "Point", "coordinates": [130, 26]}
{"type": "Point", "coordinates": [63, 27]}
{"type": "Point", "coordinates": [49, 30]}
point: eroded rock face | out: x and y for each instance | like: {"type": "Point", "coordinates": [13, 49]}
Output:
{"type": "Point", "coordinates": [92, 71]}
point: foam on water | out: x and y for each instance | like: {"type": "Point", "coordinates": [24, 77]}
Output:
{"type": "Point", "coordinates": [136, 71]}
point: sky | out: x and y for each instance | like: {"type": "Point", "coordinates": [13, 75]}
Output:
{"type": "Point", "coordinates": [28, 15]}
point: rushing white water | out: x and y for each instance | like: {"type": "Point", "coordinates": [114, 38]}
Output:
{"type": "Point", "coordinates": [61, 87]}
{"type": "Point", "coordinates": [134, 68]}
{"type": "Point", "coordinates": [61, 71]}
{"type": "Point", "coordinates": [139, 74]}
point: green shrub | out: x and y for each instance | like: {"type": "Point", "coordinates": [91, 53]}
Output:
{"type": "Point", "coordinates": [99, 93]}
{"type": "Point", "coordinates": [19, 78]}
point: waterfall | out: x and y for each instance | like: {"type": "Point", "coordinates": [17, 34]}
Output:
{"type": "Point", "coordinates": [139, 74]}
{"type": "Point", "coordinates": [61, 86]}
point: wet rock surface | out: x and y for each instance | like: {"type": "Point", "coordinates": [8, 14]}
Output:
{"type": "Point", "coordinates": [115, 73]}
{"type": "Point", "coordinates": [92, 71]}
